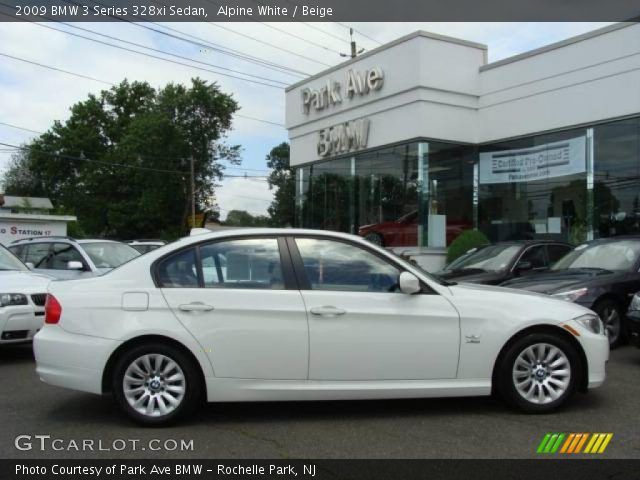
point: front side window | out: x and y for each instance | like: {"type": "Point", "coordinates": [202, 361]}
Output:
{"type": "Point", "coordinates": [339, 266]}
{"type": "Point", "coordinates": [62, 254]}
{"type": "Point", "coordinates": [243, 263]}
{"type": "Point", "coordinates": [535, 256]}
{"type": "Point", "coordinates": [556, 252]}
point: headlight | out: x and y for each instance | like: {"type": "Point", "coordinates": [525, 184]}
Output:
{"type": "Point", "coordinates": [571, 295]}
{"type": "Point", "coordinates": [591, 322]}
{"type": "Point", "coordinates": [7, 299]}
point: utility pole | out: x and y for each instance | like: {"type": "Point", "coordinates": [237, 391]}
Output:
{"type": "Point", "coordinates": [354, 50]}
{"type": "Point", "coordinates": [193, 195]}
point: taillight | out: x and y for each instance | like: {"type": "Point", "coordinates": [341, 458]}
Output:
{"type": "Point", "coordinates": [52, 310]}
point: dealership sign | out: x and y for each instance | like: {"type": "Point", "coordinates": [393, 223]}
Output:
{"type": "Point", "coordinates": [11, 230]}
{"type": "Point", "coordinates": [343, 138]}
{"type": "Point", "coordinates": [536, 163]}
{"type": "Point", "coordinates": [356, 84]}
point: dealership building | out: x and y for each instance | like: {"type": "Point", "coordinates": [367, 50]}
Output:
{"type": "Point", "coordinates": [421, 138]}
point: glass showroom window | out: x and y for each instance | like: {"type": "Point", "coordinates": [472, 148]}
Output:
{"type": "Point", "coordinates": [617, 173]}
{"type": "Point", "coordinates": [535, 188]}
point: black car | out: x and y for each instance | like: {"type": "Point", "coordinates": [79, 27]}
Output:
{"type": "Point", "coordinates": [499, 262]}
{"type": "Point", "coordinates": [601, 275]}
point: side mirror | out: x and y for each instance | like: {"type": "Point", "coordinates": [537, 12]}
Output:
{"type": "Point", "coordinates": [74, 265]}
{"type": "Point", "coordinates": [523, 266]}
{"type": "Point", "coordinates": [30, 265]}
{"type": "Point", "coordinates": [409, 283]}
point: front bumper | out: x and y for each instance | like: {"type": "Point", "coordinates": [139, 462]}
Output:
{"type": "Point", "coordinates": [19, 323]}
{"type": "Point", "coordinates": [596, 349]}
{"type": "Point", "coordinates": [70, 360]}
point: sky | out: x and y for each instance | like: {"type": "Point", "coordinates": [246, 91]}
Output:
{"type": "Point", "coordinates": [33, 97]}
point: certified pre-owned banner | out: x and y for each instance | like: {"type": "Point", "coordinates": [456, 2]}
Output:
{"type": "Point", "coordinates": [536, 163]}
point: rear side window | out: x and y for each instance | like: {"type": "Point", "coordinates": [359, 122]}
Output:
{"type": "Point", "coordinates": [243, 263]}
{"type": "Point", "coordinates": [179, 270]}
{"type": "Point", "coordinates": [556, 252]}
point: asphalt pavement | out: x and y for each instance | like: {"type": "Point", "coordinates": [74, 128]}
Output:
{"type": "Point", "coordinates": [65, 423]}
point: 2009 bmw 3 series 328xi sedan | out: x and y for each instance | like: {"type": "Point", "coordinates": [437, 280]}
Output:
{"type": "Point", "coordinates": [261, 315]}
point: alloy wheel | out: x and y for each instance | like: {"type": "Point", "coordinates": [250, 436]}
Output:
{"type": "Point", "coordinates": [154, 385]}
{"type": "Point", "coordinates": [611, 319]}
{"type": "Point", "coordinates": [541, 373]}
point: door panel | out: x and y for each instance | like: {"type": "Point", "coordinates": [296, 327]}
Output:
{"type": "Point", "coordinates": [231, 295]}
{"type": "Point", "coordinates": [382, 336]}
{"type": "Point", "coordinates": [361, 327]}
{"type": "Point", "coordinates": [248, 333]}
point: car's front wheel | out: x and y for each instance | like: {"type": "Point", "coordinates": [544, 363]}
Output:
{"type": "Point", "coordinates": [611, 316]}
{"type": "Point", "coordinates": [375, 238]}
{"type": "Point", "coordinates": [538, 372]}
{"type": "Point", "coordinates": [156, 384]}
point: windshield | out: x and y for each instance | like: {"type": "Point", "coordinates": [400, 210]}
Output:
{"type": "Point", "coordinates": [614, 256]}
{"type": "Point", "coordinates": [493, 258]}
{"type": "Point", "coordinates": [108, 254]}
{"type": "Point", "coordinates": [8, 261]}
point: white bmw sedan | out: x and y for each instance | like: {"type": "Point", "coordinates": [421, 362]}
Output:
{"type": "Point", "coordinates": [262, 315]}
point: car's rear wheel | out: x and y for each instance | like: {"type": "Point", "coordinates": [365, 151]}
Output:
{"type": "Point", "coordinates": [538, 373]}
{"type": "Point", "coordinates": [156, 384]}
{"type": "Point", "coordinates": [375, 238]}
{"type": "Point", "coordinates": [611, 316]}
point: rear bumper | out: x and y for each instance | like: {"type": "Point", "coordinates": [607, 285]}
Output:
{"type": "Point", "coordinates": [71, 361]}
{"type": "Point", "coordinates": [19, 324]}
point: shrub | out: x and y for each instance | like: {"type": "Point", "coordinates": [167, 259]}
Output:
{"type": "Point", "coordinates": [464, 242]}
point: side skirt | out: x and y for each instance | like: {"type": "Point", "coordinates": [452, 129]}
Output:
{"type": "Point", "coordinates": [256, 390]}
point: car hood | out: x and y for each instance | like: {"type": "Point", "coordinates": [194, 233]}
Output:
{"type": "Point", "coordinates": [472, 276]}
{"type": "Point", "coordinates": [23, 282]}
{"type": "Point", "coordinates": [563, 280]}
{"type": "Point", "coordinates": [519, 306]}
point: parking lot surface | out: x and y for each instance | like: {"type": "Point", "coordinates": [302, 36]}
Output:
{"type": "Point", "coordinates": [429, 428]}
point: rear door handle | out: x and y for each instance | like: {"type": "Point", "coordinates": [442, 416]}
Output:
{"type": "Point", "coordinates": [328, 311]}
{"type": "Point", "coordinates": [195, 307]}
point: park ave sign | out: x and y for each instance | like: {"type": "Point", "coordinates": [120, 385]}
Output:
{"type": "Point", "coordinates": [348, 136]}
{"type": "Point", "coordinates": [357, 84]}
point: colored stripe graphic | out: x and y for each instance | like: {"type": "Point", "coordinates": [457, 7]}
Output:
{"type": "Point", "coordinates": [573, 443]}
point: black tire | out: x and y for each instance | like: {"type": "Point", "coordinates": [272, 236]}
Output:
{"type": "Point", "coordinates": [612, 316]}
{"type": "Point", "coordinates": [375, 238]}
{"type": "Point", "coordinates": [193, 387]}
{"type": "Point", "coordinates": [505, 377]}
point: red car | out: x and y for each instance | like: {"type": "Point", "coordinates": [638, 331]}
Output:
{"type": "Point", "coordinates": [403, 232]}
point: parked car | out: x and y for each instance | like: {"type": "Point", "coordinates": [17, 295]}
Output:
{"type": "Point", "coordinates": [601, 275]}
{"type": "Point", "coordinates": [306, 315]}
{"type": "Point", "coordinates": [66, 258]}
{"type": "Point", "coordinates": [22, 298]}
{"type": "Point", "coordinates": [499, 262]}
{"type": "Point", "coordinates": [145, 246]}
{"type": "Point", "coordinates": [633, 318]}
{"type": "Point", "coordinates": [404, 231]}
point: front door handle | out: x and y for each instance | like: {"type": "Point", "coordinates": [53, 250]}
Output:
{"type": "Point", "coordinates": [328, 311]}
{"type": "Point", "coordinates": [195, 307]}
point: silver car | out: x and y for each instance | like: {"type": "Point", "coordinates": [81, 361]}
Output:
{"type": "Point", "coordinates": [65, 258]}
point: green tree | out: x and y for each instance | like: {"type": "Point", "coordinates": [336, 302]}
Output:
{"type": "Point", "coordinates": [282, 177]}
{"type": "Point", "coordinates": [121, 160]}
{"type": "Point", "coordinates": [242, 218]}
